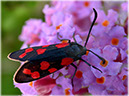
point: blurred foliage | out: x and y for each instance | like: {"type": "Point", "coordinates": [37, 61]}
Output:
{"type": "Point", "coordinates": [13, 16]}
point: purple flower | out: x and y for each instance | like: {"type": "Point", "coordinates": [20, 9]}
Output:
{"type": "Point", "coordinates": [79, 10]}
{"type": "Point", "coordinates": [123, 76]}
{"type": "Point", "coordinates": [105, 22]}
{"type": "Point", "coordinates": [63, 87]}
{"type": "Point", "coordinates": [107, 85]}
{"type": "Point", "coordinates": [64, 27]}
{"type": "Point", "coordinates": [84, 7]}
{"type": "Point", "coordinates": [114, 37]}
{"type": "Point", "coordinates": [30, 32]}
{"type": "Point", "coordinates": [27, 88]}
{"type": "Point", "coordinates": [110, 54]}
{"type": "Point", "coordinates": [81, 68]}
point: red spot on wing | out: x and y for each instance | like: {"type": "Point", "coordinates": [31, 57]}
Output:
{"type": "Point", "coordinates": [44, 65]}
{"type": "Point", "coordinates": [35, 75]}
{"type": "Point", "coordinates": [45, 46]}
{"type": "Point", "coordinates": [66, 61]}
{"type": "Point", "coordinates": [61, 45]}
{"type": "Point", "coordinates": [40, 51]}
{"type": "Point", "coordinates": [27, 71]}
{"type": "Point", "coordinates": [51, 70]}
{"type": "Point", "coordinates": [22, 55]}
{"type": "Point", "coordinates": [26, 51]}
{"type": "Point", "coordinates": [29, 50]}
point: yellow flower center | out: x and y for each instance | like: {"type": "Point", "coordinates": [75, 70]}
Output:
{"type": "Point", "coordinates": [115, 41]}
{"type": "Point", "coordinates": [100, 80]}
{"type": "Point", "coordinates": [124, 77]}
{"type": "Point", "coordinates": [67, 91]}
{"type": "Point", "coordinates": [78, 74]}
{"type": "Point", "coordinates": [105, 23]}
{"type": "Point", "coordinates": [86, 4]}
{"type": "Point", "coordinates": [31, 84]}
{"type": "Point", "coordinates": [58, 27]}
{"type": "Point", "coordinates": [104, 64]}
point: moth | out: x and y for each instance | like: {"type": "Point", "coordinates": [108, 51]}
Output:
{"type": "Point", "coordinates": [43, 60]}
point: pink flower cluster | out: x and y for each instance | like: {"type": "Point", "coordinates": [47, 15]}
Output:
{"type": "Point", "coordinates": [108, 39]}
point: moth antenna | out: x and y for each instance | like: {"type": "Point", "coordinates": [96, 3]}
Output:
{"type": "Point", "coordinates": [91, 26]}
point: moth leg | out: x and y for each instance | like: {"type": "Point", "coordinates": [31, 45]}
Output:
{"type": "Point", "coordinates": [98, 56]}
{"type": "Point", "coordinates": [74, 73]}
{"type": "Point", "coordinates": [74, 37]}
{"type": "Point", "coordinates": [62, 40]}
{"type": "Point", "coordinates": [90, 65]}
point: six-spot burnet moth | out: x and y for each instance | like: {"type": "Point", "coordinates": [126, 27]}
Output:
{"type": "Point", "coordinates": [44, 60]}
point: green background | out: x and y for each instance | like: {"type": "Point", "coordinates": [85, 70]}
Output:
{"type": "Point", "coordinates": [13, 17]}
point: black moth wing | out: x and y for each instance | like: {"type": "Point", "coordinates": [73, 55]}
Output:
{"type": "Point", "coordinates": [33, 70]}
{"type": "Point", "coordinates": [40, 52]}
